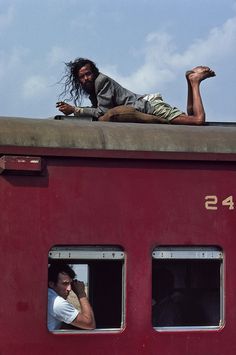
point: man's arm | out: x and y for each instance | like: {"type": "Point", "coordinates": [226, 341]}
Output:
{"type": "Point", "coordinates": [104, 94]}
{"type": "Point", "coordinates": [85, 319]}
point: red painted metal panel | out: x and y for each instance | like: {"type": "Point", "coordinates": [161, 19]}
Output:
{"type": "Point", "coordinates": [137, 204]}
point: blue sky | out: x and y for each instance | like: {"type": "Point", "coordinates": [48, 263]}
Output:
{"type": "Point", "coordinates": [146, 45]}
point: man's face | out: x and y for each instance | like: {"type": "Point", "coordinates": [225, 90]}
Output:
{"type": "Point", "coordinates": [63, 285]}
{"type": "Point", "coordinates": [86, 78]}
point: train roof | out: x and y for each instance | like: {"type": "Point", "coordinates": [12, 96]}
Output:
{"type": "Point", "coordinates": [216, 140]}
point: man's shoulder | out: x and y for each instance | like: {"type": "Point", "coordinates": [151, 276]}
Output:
{"type": "Point", "coordinates": [52, 293]}
{"type": "Point", "coordinates": [54, 299]}
{"type": "Point", "coordinates": [102, 79]}
{"type": "Point", "coordinates": [102, 76]}
{"type": "Point", "coordinates": [58, 303]}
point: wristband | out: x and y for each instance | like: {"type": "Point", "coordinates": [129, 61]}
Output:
{"type": "Point", "coordinates": [77, 111]}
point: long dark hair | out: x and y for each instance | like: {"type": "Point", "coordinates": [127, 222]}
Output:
{"type": "Point", "coordinates": [72, 85]}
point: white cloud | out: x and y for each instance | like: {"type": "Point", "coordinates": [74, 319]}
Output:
{"type": "Point", "coordinates": [162, 61]}
{"type": "Point", "coordinates": [35, 86]}
{"type": "Point", "coordinates": [159, 48]}
{"type": "Point", "coordinates": [57, 55]}
{"type": "Point", "coordinates": [219, 44]}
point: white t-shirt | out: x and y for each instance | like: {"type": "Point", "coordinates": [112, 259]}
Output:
{"type": "Point", "coordinates": [59, 310]}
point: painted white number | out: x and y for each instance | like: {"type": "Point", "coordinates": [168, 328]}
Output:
{"type": "Point", "coordinates": [228, 202]}
{"type": "Point", "coordinates": [210, 202]}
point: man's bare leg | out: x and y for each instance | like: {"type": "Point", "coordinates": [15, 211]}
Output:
{"type": "Point", "coordinates": [189, 95]}
{"type": "Point", "coordinates": [190, 91]}
{"type": "Point", "coordinates": [195, 109]}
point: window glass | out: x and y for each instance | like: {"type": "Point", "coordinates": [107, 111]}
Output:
{"type": "Point", "coordinates": [187, 287]}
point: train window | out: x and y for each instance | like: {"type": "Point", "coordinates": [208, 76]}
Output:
{"type": "Point", "coordinates": [187, 288]}
{"type": "Point", "coordinates": [102, 270]}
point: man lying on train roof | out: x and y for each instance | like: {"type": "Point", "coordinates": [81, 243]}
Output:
{"type": "Point", "coordinates": [61, 282]}
{"type": "Point", "coordinates": [112, 102]}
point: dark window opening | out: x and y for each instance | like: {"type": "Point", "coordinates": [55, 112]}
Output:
{"type": "Point", "coordinates": [187, 287]}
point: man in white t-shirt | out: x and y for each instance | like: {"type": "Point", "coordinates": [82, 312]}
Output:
{"type": "Point", "coordinates": [61, 282]}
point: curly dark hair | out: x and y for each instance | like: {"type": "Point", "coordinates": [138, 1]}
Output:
{"type": "Point", "coordinates": [56, 268]}
{"type": "Point", "coordinates": [72, 85]}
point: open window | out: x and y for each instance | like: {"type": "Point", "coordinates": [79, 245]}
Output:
{"type": "Point", "coordinates": [187, 288]}
{"type": "Point", "coordinates": [102, 270]}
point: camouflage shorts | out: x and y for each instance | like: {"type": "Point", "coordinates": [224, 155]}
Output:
{"type": "Point", "coordinates": [161, 108]}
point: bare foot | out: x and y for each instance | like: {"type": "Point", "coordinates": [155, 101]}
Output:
{"type": "Point", "coordinates": [199, 73]}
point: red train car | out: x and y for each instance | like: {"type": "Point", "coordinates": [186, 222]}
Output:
{"type": "Point", "coordinates": [144, 213]}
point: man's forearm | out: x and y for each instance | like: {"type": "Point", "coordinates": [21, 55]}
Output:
{"type": "Point", "coordinates": [85, 319]}
{"type": "Point", "coordinates": [94, 112]}
{"type": "Point", "coordinates": [86, 311]}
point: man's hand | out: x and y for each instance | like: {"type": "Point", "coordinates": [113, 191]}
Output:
{"type": "Point", "coordinates": [79, 288]}
{"type": "Point", "coordinates": [65, 108]}
{"type": "Point", "coordinates": [85, 318]}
